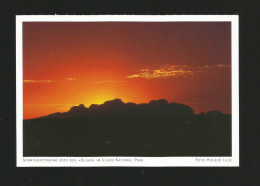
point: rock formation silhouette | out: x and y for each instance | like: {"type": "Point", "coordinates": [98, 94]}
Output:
{"type": "Point", "coordinates": [117, 107]}
{"type": "Point", "coordinates": [115, 128]}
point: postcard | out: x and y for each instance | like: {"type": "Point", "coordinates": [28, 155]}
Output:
{"type": "Point", "coordinates": [127, 91]}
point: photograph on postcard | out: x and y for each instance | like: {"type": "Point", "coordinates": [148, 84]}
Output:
{"type": "Point", "coordinates": [126, 90]}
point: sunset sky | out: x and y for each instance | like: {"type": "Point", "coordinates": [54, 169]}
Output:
{"type": "Point", "coordinates": [70, 63]}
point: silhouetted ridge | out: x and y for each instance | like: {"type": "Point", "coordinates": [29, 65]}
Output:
{"type": "Point", "coordinates": [80, 108]}
{"type": "Point", "coordinates": [116, 107]}
{"type": "Point", "coordinates": [114, 102]}
{"type": "Point", "coordinates": [159, 102]}
{"type": "Point", "coordinates": [115, 128]}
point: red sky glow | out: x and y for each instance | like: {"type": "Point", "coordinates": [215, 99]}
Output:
{"type": "Point", "coordinates": [69, 63]}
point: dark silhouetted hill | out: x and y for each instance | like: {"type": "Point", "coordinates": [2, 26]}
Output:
{"type": "Point", "coordinates": [116, 128]}
{"type": "Point", "coordinates": [117, 107]}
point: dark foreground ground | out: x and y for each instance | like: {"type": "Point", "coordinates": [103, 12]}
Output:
{"type": "Point", "coordinates": [128, 136]}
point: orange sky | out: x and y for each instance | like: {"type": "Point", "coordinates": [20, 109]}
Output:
{"type": "Point", "coordinates": [67, 64]}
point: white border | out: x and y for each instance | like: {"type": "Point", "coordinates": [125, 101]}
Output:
{"type": "Point", "coordinates": [232, 161]}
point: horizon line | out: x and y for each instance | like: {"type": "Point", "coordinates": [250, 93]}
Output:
{"type": "Point", "coordinates": [87, 107]}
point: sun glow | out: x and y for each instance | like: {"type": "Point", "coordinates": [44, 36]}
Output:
{"type": "Point", "coordinates": [100, 98]}
{"type": "Point", "coordinates": [135, 62]}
